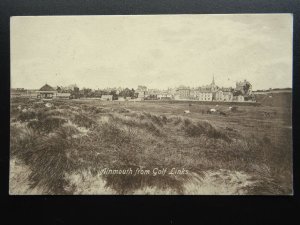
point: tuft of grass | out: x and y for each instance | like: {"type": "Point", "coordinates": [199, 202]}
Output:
{"type": "Point", "coordinates": [27, 116]}
{"type": "Point", "coordinates": [47, 124]}
{"type": "Point", "coordinates": [83, 121]}
{"type": "Point", "coordinates": [127, 184]}
{"type": "Point", "coordinates": [177, 120]}
{"type": "Point", "coordinates": [203, 128]}
{"type": "Point", "coordinates": [145, 123]}
{"type": "Point", "coordinates": [22, 139]}
{"type": "Point", "coordinates": [47, 157]}
{"type": "Point", "coordinates": [234, 109]}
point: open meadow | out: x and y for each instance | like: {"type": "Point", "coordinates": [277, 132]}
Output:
{"type": "Point", "coordinates": [61, 146]}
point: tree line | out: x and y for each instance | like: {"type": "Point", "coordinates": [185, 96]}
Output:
{"type": "Point", "coordinates": [90, 93]}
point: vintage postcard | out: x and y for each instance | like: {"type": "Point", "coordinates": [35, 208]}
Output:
{"type": "Point", "coordinates": [151, 104]}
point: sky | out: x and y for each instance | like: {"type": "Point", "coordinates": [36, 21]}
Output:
{"type": "Point", "coordinates": [158, 51]}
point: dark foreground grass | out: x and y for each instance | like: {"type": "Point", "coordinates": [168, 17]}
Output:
{"type": "Point", "coordinates": [50, 141]}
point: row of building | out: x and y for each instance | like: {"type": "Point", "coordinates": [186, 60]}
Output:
{"type": "Point", "coordinates": [242, 92]}
{"type": "Point", "coordinates": [45, 92]}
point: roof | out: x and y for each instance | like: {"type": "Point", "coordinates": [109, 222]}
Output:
{"type": "Point", "coordinates": [203, 90]}
{"type": "Point", "coordinates": [208, 92]}
{"type": "Point", "coordinates": [183, 88]}
{"type": "Point", "coordinates": [47, 87]}
{"type": "Point", "coordinates": [225, 89]}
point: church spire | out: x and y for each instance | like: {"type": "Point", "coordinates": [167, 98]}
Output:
{"type": "Point", "coordinates": [213, 81]}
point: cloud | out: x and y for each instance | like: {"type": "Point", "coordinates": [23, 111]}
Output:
{"type": "Point", "coordinates": [159, 51]}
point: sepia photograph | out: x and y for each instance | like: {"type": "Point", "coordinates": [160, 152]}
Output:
{"type": "Point", "coordinates": [185, 104]}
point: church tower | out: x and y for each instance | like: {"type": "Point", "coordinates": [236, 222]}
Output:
{"type": "Point", "coordinates": [213, 86]}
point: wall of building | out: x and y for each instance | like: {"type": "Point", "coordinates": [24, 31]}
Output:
{"type": "Point", "coordinates": [205, 96]}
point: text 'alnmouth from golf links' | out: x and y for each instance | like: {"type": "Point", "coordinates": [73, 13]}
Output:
{"type": "Point", "coordinates": [141, 171]}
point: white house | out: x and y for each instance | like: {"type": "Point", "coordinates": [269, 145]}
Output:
{"type": "Point", "coordinates": [227, 96]}
{"type": "Point", "coordinates": [107, 97]}
{"type": "Point", "coordinates": [121, 99]}
{"type": "Point", "coordinates": [219, 96]}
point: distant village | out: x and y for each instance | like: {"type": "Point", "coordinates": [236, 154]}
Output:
{"type": "Point", "coordinates": [242, 92]}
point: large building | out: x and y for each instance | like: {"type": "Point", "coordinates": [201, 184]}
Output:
{"type": "Point", "coordinates": [46, 92]}
{"type": "Point", "coordinates": [204, 93]}
{"type": "Point", "coordinates": [224, 94]}
{"type": "Point", "coordinates": [205, 96]}
{"type": "Point", "coordinates": [183, 92]}
{"type": "Point", "coordinates": [212, 92]}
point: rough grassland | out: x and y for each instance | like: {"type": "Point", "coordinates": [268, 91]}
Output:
{"type": "Point", "coordinates": [61, 149]}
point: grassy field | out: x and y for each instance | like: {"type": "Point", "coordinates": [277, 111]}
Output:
{"type": "Point", "coordinates": [62, 148]}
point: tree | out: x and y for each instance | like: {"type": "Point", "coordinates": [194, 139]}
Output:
{"type": "Point", "coordinates": [237, 93]}
{"type": "Point", "coordinates": [87, 92]}
{"type": "Point", "coordinates": [75, 93]}
{"type": "Point", "coordinates": [132, 93]}
{"type": "Point", "coordinates": [114, 94]}
{"type": "Point", "coordinates": [246, 88]}
{"type": "Point", "coordinates": [127, 93]}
